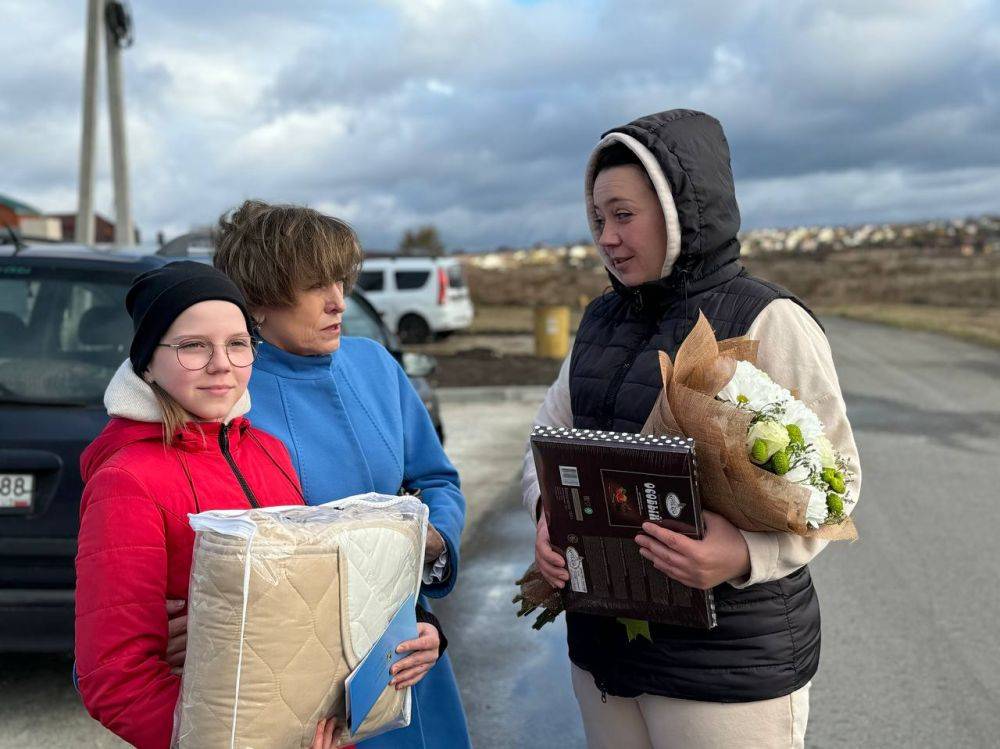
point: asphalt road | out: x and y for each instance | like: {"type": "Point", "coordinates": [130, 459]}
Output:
{"type": "Point", "coordinates": [911, 646]}
{"type": "Point", "coordinates": [911, 652]}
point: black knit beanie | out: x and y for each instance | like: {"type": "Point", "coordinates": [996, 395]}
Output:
{"type": "Point", "coordinates": [157, 297]}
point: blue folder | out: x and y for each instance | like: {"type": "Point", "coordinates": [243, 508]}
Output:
{"type": "Point", "coordinates": [370, 678]}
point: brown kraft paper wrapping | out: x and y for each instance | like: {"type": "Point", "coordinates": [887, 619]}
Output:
{"type": "Point", "coordinates": [748, 496]}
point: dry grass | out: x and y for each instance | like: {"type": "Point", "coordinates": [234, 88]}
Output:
{"type": "Point", "coordinates": [532, 285]}
{"type": "Point", "coordinates": [925, 289]}
{"type": "Point", "coordinates": [977, 325]}
{"type": "Point", "coordinates": [895, 277]}
{"type": "Point", "coordinates": [980, 325]}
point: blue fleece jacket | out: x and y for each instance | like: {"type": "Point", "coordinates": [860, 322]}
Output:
{"type": "Point", "coordinates": [353, 423]}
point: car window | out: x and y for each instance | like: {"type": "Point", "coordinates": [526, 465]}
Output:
{"type": "Point", "coordinates": [371, 280]}
{"type": "Point", "coordinates": [63, 333]}
{"type": "Point", "coordinates": [407, 280]}
{"type": "Point", "coordinates": [360, 320]}
{"type": "Point", "coordinates": [456, 279]}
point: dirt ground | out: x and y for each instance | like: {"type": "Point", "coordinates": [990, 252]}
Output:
{"type": "Point", "coordinates": [486, 367]}
{"type": "Point", "coordinates": [499, 349]}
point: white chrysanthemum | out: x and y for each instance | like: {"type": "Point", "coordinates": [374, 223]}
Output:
{"type": "Point", "coordinates": [755, 386]}
{"type": "Point", "coordinates": [817, 512]}
{"type": "Point", "coordinates": [796, 412]}
{"type": "Point", "coordinates": [827, 455]}
{"type": "Point", "coordinates": [799, 474]}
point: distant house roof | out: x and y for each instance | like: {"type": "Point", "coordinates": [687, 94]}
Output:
{"type": "Point", "coordinates": [64, 216]}
{"type": "Point", "coordinates": [21, 209]}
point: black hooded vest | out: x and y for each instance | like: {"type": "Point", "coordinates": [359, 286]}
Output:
{"type": "Point", "coordinates": [767, 641]}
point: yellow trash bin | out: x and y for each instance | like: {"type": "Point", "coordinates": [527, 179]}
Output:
{"type": "Point", "coordinates": [552, 332]}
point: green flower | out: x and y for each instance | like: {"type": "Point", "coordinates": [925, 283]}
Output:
{"type": "Point", "coordinates": [772, 434]}
{"type": "Point", "coordinates": [829, 474]}
{"type": "Point", "coordinates": [759, 452]}
{"type": "Point", "coordinates": [795, 435]}
{"type": "Point", "coordinates": [835, 504]}
{"type": "Point", "coordinates": [837, 484]}
{"type": "Point", "coordinates": [781, 462]}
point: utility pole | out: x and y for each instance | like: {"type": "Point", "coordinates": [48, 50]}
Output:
{"type": "Point", "coordinates": [112, 18]}
{"type": "Point", "coordinates": [116, 39]}
{"type": "Point", "coordinates": [88, 138]}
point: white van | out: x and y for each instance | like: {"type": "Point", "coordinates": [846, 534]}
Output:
{"type": "Point", "coordinates": [418, 297]}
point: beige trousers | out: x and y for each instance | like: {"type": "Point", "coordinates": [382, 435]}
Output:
{"type": "Point", "coordinates": [652, 722]}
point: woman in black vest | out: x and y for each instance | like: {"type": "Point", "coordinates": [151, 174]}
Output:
{"type": "Point", "coordinates": [662, 209]}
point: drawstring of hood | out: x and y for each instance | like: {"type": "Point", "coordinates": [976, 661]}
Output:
{"type": "Point", "coordinates": [688, 326]}
{"type": "Point", "coordinates": [187, 474]}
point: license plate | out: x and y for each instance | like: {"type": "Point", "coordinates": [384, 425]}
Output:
{"type": "Point", "coordinates": [16, 491]}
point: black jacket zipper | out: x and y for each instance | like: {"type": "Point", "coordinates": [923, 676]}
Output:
{"type": "Point", "coordinates": [224, 446]}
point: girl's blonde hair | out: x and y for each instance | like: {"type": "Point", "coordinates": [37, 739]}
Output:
{"type": "Point", "coordinates": [175, 416]}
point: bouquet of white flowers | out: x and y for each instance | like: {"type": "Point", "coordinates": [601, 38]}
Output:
{"type": "Point", "coordinates": [787, 439]}
{"type": "Point", "coordinates": [764, 462]}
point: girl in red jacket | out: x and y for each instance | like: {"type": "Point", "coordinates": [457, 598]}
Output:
{"type": "Point", "coordinates": [190, 451]}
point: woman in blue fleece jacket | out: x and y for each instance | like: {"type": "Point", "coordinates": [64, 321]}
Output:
{"type": "Point", "coordinates": [345, 409]}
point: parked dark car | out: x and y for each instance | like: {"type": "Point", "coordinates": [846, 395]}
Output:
{"type": "Point", "coordinates": [63, 333]}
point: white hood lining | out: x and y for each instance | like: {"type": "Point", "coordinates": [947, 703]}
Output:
{"type": "Point", "coordinates": [663, 192]}
{"type": "Point", "coordinates": [131, 397]}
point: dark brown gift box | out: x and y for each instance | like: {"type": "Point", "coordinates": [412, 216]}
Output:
{"type": "Point", "coordinates": [597, 489]}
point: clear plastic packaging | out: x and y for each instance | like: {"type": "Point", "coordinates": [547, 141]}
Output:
{"type": "Point", "coordinates": [284, 602]}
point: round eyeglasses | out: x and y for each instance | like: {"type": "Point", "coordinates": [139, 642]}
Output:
{"type": "Point", "coordinates": [195, 355]}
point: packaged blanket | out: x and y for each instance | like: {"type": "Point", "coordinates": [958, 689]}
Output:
{"type": "Point", "coordinates": [283, 604]}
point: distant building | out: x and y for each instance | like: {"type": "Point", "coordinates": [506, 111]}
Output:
{"type": "Point", "coordinates": [104, 230]}
{"type": "Point", "coordinates": [46, 228]}
{"type": "Point", "coordinates": [12, 212]}
{"type": "Point", "coordinates": [28, 221]}
{"type": "Point", "coordinates": [32, 223]}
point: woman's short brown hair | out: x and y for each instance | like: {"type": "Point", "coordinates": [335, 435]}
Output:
{"type": "Point", "coordinates": [618, 154]}
{"type": "Point", "coordinates": [273, 252]}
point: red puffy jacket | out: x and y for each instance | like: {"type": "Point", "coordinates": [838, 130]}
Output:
{"type": "Point", "coordinates": [135, 552]}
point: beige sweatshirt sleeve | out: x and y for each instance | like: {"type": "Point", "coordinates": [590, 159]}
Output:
{"type": "Point", "coordinates": [555, 411]}
{"type": "Point", "coordinates": [795, 352]}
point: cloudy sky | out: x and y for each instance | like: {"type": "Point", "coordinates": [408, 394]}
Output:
{"type": "Point", "coordinates": [478, 115]}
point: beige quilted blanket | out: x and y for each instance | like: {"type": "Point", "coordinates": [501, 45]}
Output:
{"type": "Point", "coordinates": [283, 604]}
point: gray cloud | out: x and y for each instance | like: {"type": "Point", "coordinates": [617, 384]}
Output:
{"type": "Point", "coordinates": [479, 115]}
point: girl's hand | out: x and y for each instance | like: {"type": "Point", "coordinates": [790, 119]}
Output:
{"type": "Point", "coordinates": [413, 668]}
{"type": "Point", "coordinates": [324, 734]}
{"type": "Point", "coordinates": [721, 555]}
{"type": "Point", "coordinates": [550, 562]}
